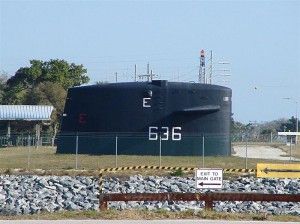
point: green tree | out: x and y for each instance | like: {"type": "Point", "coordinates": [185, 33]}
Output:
{"type": "Point", "coordinates": [56, 71]}
{"type": "Point", "coordinates": [48, 93]}
{"type": "Point", "coordinates": [3, 80]}
{"type": "Point", "coordinates": [237, 127]}
{"type": "Point", "coordinates": [43, 82]}
{"type": "Point", "coordinates": [267, 131]}
{"type": "Point", "coordinates": [26, 79]}
{"type": "Point", "coordinates": [289, 125]}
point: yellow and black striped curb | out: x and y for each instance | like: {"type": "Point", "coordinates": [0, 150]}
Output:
{"type": "Point", "coordinates": [239, 170]}
{"type": "Point", "coordinates": [147, 167]}
{"type": "Point", "coordinates": [116, 169]}
{"type": "Point", "coordinates": [171, 168]}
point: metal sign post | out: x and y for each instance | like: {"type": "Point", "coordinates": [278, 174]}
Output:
{"type": "Point", "coordinates": [203, 150]}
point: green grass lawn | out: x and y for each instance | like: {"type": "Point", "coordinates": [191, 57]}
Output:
{"type": "Point", "coordinates": [46, 158]}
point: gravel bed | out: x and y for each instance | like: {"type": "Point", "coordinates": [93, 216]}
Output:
{"type": "Point", "coordinates": [34, 194]}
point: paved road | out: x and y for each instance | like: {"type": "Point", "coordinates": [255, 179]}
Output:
{"type": "Point", "coordinates": [135, 222]}
{"type": "Point", "coordinates": [261, 152]}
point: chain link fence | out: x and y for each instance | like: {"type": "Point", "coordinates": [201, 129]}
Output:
{"type": "Point", "coordinates": [27, 151]}
{"type": "Point", "coordinates": [258, 138]}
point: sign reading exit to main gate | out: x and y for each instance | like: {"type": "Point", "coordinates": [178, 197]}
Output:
{"type": "Point", "coordinates": [209, 178]}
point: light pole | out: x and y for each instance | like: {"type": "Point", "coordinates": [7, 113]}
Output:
{"type": "Point", "coordinates": [296, 102]}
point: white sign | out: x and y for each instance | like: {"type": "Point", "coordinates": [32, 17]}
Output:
{"type": "Point", "coordinates": [207, 178]}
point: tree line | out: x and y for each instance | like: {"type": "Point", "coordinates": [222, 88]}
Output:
{"type": "Point", "coordinates": [253, 129]}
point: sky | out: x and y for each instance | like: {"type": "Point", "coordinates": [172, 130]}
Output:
{"type": "Point", "coordinates": [259, 39]}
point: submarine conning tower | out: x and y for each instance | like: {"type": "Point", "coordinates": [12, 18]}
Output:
{"type": "Point", "coordinates": [142, 114]}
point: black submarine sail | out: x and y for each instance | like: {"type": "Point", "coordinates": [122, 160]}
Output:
{"type": "Point", "coordinates": [143, 114]}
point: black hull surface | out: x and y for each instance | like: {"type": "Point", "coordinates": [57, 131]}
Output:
{"type": "Point", "coordinates": [139, 114]}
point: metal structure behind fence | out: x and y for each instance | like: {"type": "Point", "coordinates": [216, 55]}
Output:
{"type": "Point", "coordinates": [24, 140]}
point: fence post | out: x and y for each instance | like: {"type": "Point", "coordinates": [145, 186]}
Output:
{"type": "Point", "coordinates": [52, 141]}
{"type": "Point", "coordinates": [271, 137]}
{"type": "Point", "coordinates": [290, 148]}
{"type": "Point", "coordinates": [76, 149]}
{"type": "Point", "coordinates": [28, 140]}
{"type": "Point", "coordinates": [102, 203]}
{"type": "Point", "coordinates": [246, 151]}
{"type": "Point", "coordinates": [37, 134]}
{"type": "Point", "coordinates": [28, 152]}
{"type": "Point", "coordinates": [116, 150]}
{"type": "Point", "coordinates": [159, 149]}
{"type": "Point", "coordinates": [208, 204]}
{"type": "Point", "coordinates": [203, 150]}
